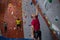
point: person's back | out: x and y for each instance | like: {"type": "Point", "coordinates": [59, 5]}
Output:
{"type": "Point", "coordinates": [35, 22]}
{"type": "Point", "coordinates": [18, 23]}
{"type": "Point", "coordinates": [36, 26]}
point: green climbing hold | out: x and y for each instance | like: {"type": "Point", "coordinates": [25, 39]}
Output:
{"type": "Point", "coordinates": [50, 1]}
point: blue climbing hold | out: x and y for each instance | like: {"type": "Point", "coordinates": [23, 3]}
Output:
{"type": "Point", "coordinates": [56, 19]}
{"type": "Point", "coordinates": [31, 3]}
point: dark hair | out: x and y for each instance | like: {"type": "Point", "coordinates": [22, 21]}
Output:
{"type": "Point", "coordinates": [18, 19]}
{"type": "Point", "coordinates": [31, 16]}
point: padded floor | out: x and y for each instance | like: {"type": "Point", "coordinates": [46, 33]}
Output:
{"type": "Point", "coordinates": [3, 38]}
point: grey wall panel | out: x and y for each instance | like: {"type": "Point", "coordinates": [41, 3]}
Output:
{"type": "Point", "coordinates": [54, 11]}
{"type": "Point", "coordinates": [44, 29]}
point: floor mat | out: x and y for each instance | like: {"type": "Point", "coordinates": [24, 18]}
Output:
{"type": "Point", "coordinates": [3, 38]}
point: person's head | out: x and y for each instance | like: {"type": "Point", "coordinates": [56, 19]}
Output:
{"type": "Point", "coordinates": [33, 16]}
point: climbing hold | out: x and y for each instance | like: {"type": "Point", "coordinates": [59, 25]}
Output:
{"type": "Point", "coordinates": [46, 6]}
{"type": "Point", "coordinates": [14, 28]}
{"type": "Point", "coordinates": [31, 3]}
{"type": "Point", "coordinates": [12, 13]}
{"type": "Point", "coordinates": [50, 1]}
{"type": "Point", "coordinates": [56, 18]}
{"type": "Point", "coordinates": [44, 13]}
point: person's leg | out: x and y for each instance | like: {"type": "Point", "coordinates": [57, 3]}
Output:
{"type": "Point", "coordinates": [39, 35]}
{"type": "Point", "coordinates": [17, 26]}
{"type": "Point", "coordinates": [5, 28]}
{"type": "Point", "coordinates": [20, 28]}
{"type": "Point", "coordinates": [35, 35]}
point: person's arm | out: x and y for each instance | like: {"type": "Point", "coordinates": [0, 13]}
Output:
{"type": "Point", "coordinates": [36, 11]}
{"type": "Point", "coordinates": [32, 31]}
{"type": "Point", "coordinates": [32, 27]}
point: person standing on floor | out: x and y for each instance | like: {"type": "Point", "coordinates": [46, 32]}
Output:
{"type": "Point", "coordinates": [35, 24]}
{"type": "Point", "coordinates": [5, 26]}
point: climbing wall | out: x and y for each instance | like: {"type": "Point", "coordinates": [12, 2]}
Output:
{"type": "Point", "coordinates": [11, 13]}
{"type": "Point", "coordinates": [51, 11]}
{"type": "Point", "coordinates": [27, 9]}
{"type": "Point", "coordinates": [53, 15]}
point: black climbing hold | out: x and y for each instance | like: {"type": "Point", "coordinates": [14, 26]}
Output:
{"type": "Point", "coordinates": [31, 3]}
{"type": "Point", "coordinates": [56, 19]}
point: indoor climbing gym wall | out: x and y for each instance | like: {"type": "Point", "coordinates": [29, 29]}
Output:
{"type": "Point", "coordinates": [51, 9]}
{"type": "Point", "coordinates": [53, 14]}
{"type": "Point", "coordinates": [27, 9]}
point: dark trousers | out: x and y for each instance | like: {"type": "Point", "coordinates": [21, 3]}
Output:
{"type": "Point", "coordinates": [5, 28]}
{"type": "Point", "coordinates": [18, 26]}
{"type": "Point", "coordinates": [37, 34]}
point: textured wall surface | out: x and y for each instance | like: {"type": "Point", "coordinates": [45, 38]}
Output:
{"type": "Point", "coordinates": [52, 10]}
{"type": "Point", "coordinates": [29, 9]}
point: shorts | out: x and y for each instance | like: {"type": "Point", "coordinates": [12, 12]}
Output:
{"type": "Point", "coordinates": [18, 25]}
{"type": "Point", "coordinates": [37, 34]}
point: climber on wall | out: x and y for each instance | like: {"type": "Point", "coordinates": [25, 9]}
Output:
{"type": "Point", "coordinates": [18, 23]}
{"type": "Point", "coordinates": [35, 24]}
